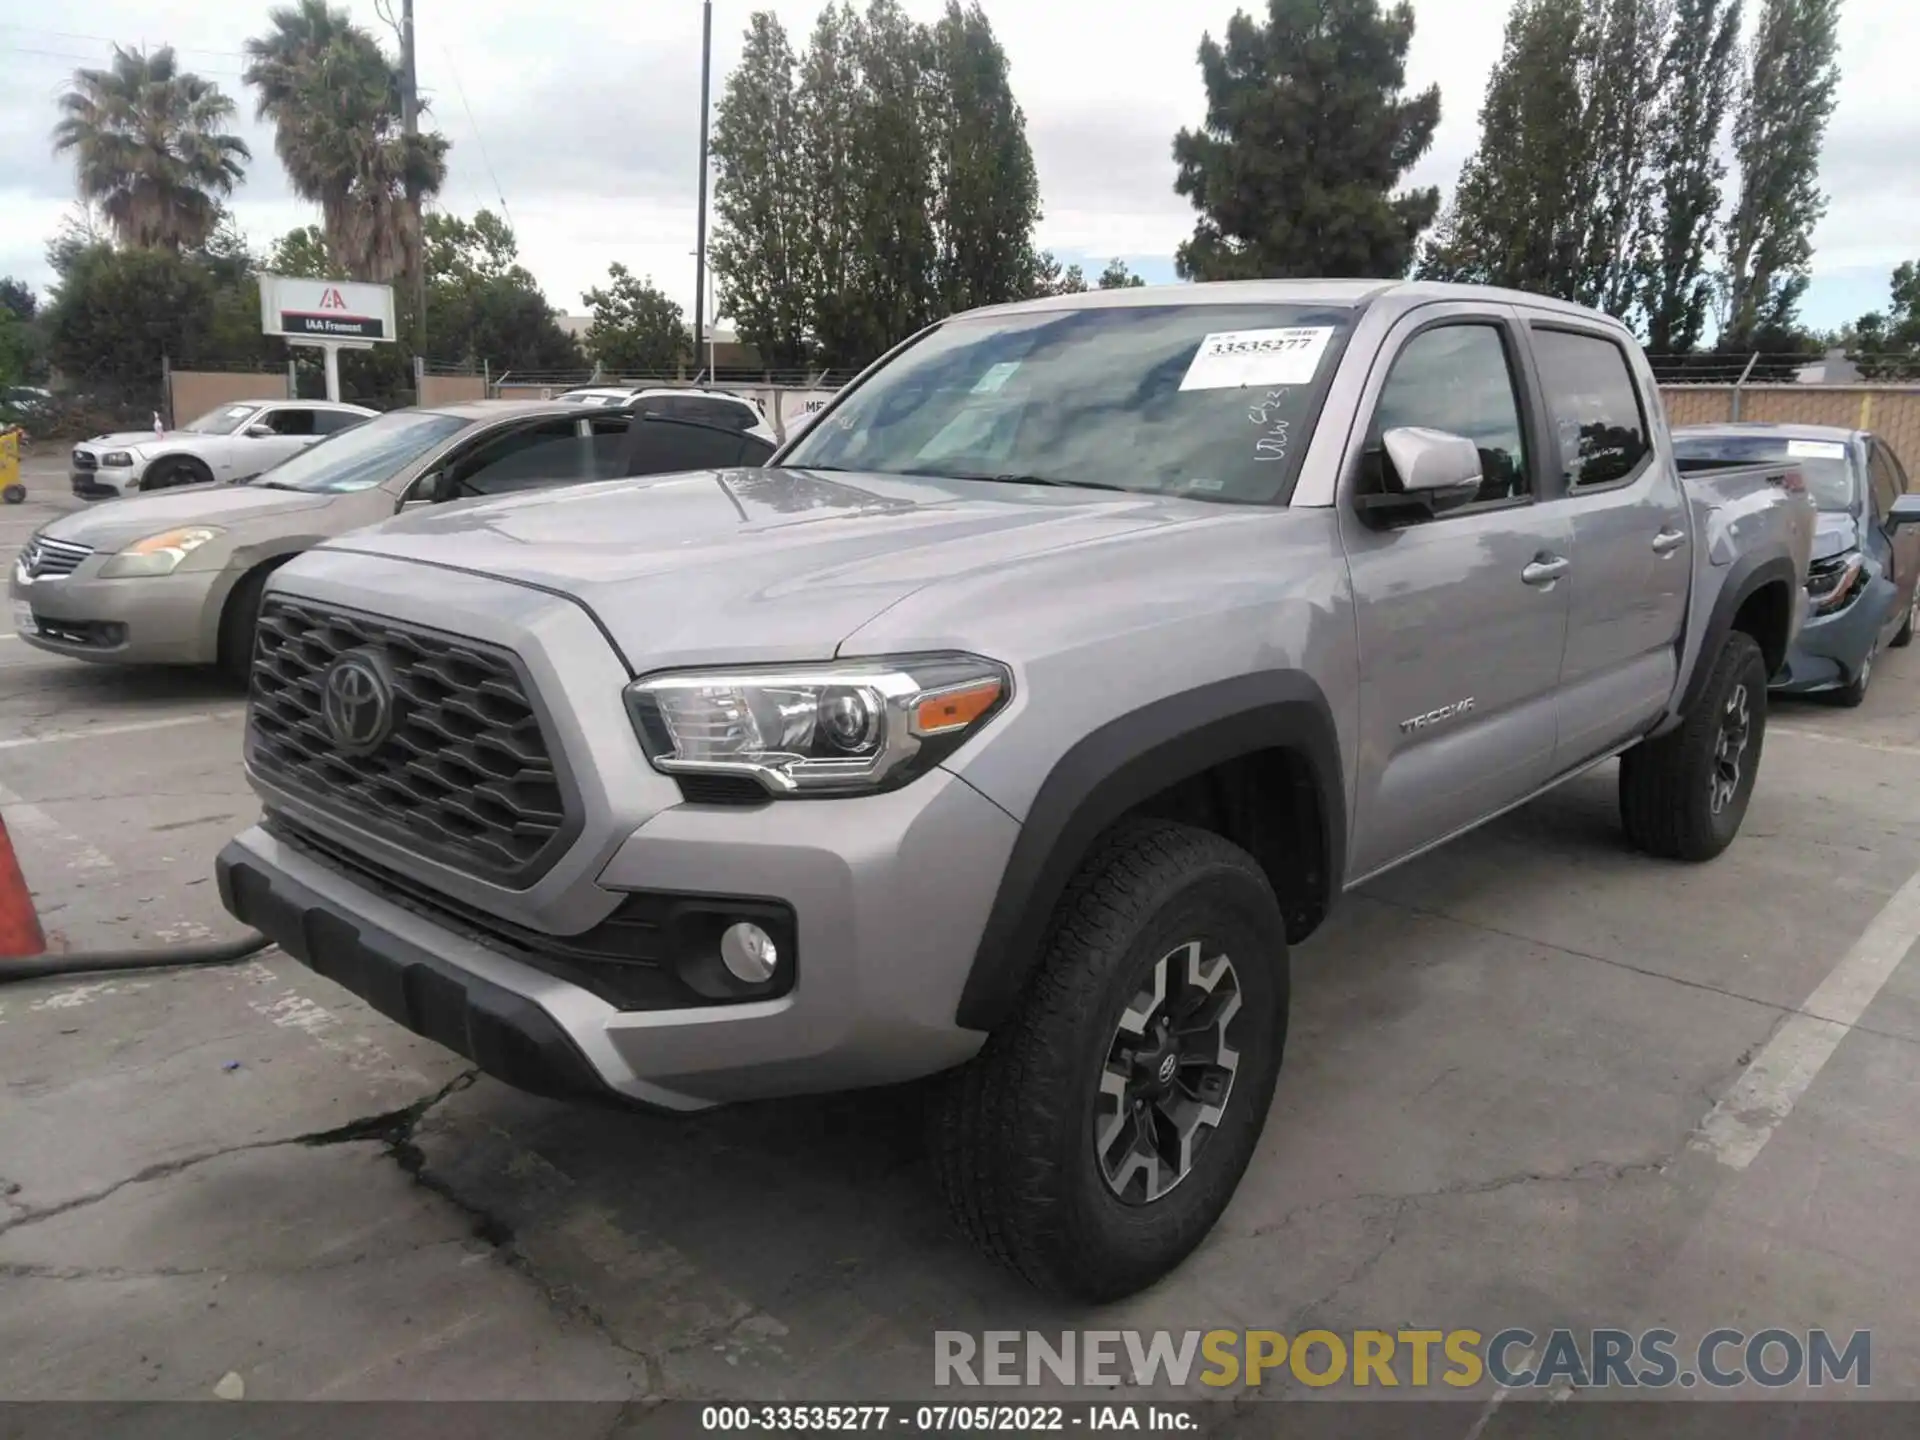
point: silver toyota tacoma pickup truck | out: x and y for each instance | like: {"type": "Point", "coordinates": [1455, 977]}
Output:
{"type": "Point", "coordinates": [1013, 723]}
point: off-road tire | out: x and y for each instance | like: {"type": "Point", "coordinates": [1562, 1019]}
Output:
{"type": "Point", "coordinates": [238, 621]}
{"type": "Point", "coordinates": [169, 474]}
{"type": "Point", "coordinates": [1012, 1132]}
{"type": "Point", "coordinates": [1665, 799]}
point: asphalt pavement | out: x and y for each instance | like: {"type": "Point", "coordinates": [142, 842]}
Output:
{"type": "Point", "coordinates": [1534, 1079]}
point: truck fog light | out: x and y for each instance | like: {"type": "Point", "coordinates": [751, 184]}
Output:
{"type": "Point", "coordinates": [749, 953]}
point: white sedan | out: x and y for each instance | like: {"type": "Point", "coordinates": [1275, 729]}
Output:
{"type": "Point", "coordinates": [234, 442]}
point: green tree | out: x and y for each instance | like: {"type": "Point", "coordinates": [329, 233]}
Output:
{"type": "Point", "coordinates": [760, 199]}
{"type": "Point", "coordinates": [1620, 94]}
{"type": "Point", "coordinates": [1789, 90]}
{"type": "Point", "coordinates": [1886, 345]}
{"type": "Point", "coordinates": [896, 259]}
{"type": "Point", "coordinates": [1696, 87]}
{"type": "Point", "coordinates": [301, 252]}
{"type": "Point", "coordinates": [986, 192]}
{"type": "Point", "coordinates": [482, 304]}
{"type": "Point", "coordinates": [1307, 133]}
{"type": "Point", "coordinates": [636, 330]}
{"type": "Point", "coordinates": [1515, 217]}
{"type": "Point", "coordinates": [1118, 277]}
{"type": "Point", "coordinates": [148, 147]}
{"type": "Point", "coordinates": [116, 313]}
{"type": "Point", "coordinates": [826, 108]}
{"type": "Point", "coordinates": [18, 300]}
{"type": "Point", "coordinates": [334, 99]}
{"type": "Point", "coordinates": [1049, 277]}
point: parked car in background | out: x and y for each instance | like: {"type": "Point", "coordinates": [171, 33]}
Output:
{"type": "Point", "coordinates": [176, 578]}
{"type": "Point", "coordinates": [232, 442]}
{"type": "Point", "coordinates": [708, 407]}
{"type": "Point", "coordinates": [1014, 723]}
{"type": "Point", "coordinates": [1863, 587]}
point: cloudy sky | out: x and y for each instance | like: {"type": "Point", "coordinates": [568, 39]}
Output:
{"type": "Point", "coordinates": [582, 118]}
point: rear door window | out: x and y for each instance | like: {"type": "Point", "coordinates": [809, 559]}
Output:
{"type": "Point", "coordinates": [328, 422]}
{"type": "Point", "coordinates": [1595, 405]}
{"type": "Point", "coordinates": [290, 420]}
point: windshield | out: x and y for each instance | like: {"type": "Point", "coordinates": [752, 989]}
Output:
{"type": "Point", "coordinates": [1823, 464]}
{"type": "Point", "coordinates": [224, 421]}
{"type": "Point", "coordinates": [1214, 402]}
{"type": "Point", "coordinates": [360, 458]}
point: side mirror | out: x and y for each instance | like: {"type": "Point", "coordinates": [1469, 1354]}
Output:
{"type": "Point", "coordinates": [1904, 511]}
{"type": "Point", "coordinates": [1431, 461]}
{"type": "Point", "coordinates": [261, 431]}
{"type": "Point", "coordinates": [429, 489]}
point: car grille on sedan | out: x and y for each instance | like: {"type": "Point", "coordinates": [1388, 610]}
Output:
{"type": "Point", "coordinates": [43, 558]}
{"type": "Point", "coordinates": [85, 460]}
{"type": "Point", "coordinates": [461, 770]}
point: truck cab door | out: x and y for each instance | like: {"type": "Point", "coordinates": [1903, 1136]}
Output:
{"type": "Point", "coordinates": [1632, 536]}
{"type": "Point", "coordinates": [1460, 605]}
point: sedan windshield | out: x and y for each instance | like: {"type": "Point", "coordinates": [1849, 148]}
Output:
{"type": "Point", "coordinates": [362, 457]}
{"type": "Point", "coordinates": [224, 421]}
{"type": "Point", "coordinates": [1823, 464]}
{"type": "Point", "coordinates": [1213, 402]}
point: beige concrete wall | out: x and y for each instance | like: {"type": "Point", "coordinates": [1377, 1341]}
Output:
{"type": "Point", "coordinates": [451, 389]}
{"type": "Point", "coordinates": [195, 392]}
{"type": "Point", "coordinates": [1891, 411]}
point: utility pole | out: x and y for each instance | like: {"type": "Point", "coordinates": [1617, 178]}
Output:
{"type": "Point", "coordinates": [700, 253]}
{"type": "Point", "coordinates": [410, 122]}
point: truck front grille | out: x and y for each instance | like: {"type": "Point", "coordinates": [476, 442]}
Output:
{"type": "Point", "coordinates": [455, 764]}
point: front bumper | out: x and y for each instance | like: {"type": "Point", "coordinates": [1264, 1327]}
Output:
{"type": "Point", "coordinates": [106, 483]}
{"type": "Point", "coordinates": [889, 893]}
{"type": "Point", "coordinates": [1830, 649]}
{"type": "Point", "coordinates": [147, 620]}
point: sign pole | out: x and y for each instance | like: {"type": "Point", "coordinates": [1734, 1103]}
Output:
{"type": "Point", "coordinates": [332, 352]}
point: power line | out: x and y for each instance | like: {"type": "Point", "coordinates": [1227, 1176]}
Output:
{"type": "Point", "coordinates": [478, 139]}
{"type": "Point", "coordinates": [96, 60]}
{"type": "Point", "coordinates": [109, 40]}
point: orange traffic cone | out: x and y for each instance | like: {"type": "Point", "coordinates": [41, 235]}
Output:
{"type": "Point", "coordinates": [20, 933]}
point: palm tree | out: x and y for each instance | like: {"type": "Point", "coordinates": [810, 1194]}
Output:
{"type": "Point", "coordinates": [148, 147]}
{"type": "Point", "coordinates": [334, 100]}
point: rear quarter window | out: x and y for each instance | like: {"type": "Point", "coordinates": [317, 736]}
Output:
{"type": "Point", "coordinates": [1598, 416]}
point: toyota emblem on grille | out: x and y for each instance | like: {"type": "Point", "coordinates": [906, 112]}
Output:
{"type": "Point", "coordinates": [358, 702]}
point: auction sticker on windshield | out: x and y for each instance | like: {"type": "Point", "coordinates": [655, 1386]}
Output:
{"type": "Point", "coordinates": [1231, 359]}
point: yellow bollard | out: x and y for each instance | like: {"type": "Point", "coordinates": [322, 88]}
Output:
{"type": "Point", "coordinates": [11, 490]}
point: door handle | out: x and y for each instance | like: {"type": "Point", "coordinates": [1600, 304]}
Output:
{"type": "Point", "coordinates": [1546, 570]}
{"type": "Point", "coordinates": [1668, 541]}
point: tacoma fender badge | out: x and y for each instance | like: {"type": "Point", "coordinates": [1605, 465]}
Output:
{"type": "Point", "coordinates": [1434, 717]}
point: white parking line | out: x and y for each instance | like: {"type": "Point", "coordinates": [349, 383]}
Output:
{"type": "Point", "coordinates": [1739, 1126]}
{"type": "Point", "coordinates": [133, 727]}
{"type": "Point", "coordinates": [1825, 737]}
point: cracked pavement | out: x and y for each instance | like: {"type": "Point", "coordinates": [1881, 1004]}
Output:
{"type": "Point", "coordinates": [1498, 1055]}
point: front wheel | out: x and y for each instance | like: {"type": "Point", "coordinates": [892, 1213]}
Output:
{"type": "Point", "coordinates": [1850, 695]}
{"type": "Point", "coordinates": [1101, 1132]}
{"type": "Point", "coordinates": [1684, 794]}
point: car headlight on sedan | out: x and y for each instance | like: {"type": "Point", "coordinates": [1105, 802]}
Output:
{"type": "Point", "coordinates": [160, 554]}
{"type": "Point", "coordinates": [856, 727]}
{"type": "Point", "coordinates": [119, 459]}
{"type": "Point", "coordinates": [1834, 581]}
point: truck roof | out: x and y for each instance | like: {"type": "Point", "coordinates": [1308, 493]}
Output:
{"type": "Point", "coordinates": [1355, 293]}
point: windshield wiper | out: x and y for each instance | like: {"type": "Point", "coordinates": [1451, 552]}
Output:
{"type": "Point", "coordinates": [1014, 479]}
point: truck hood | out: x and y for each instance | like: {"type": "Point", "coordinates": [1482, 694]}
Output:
{"type": "Point", "coordinates": [121, 522]}
{"type": "Point", "coordinates": [723, 566]}
{"type": "Point", "coordinates": [1834, 533]}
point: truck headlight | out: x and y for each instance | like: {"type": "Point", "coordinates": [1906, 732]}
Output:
{"type": "Point", "coordinates": [832, 729]}
{"type": "Point", "coordinates": [160, 554]}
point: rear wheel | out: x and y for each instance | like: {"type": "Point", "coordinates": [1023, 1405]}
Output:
{"type": "Point", "coordinates": [1100, 1133]}
{"type": "Point", "coordinates": [1684, 794]}
{"type": "Point", "coordinates": [1905, 637]}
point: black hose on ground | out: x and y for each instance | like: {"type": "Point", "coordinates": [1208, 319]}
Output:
{"type": "Point", "coordinates": [170, 957]}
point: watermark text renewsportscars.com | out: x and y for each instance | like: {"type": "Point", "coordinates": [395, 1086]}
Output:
{"type": "Point", "coordinates": [1514, 1358]}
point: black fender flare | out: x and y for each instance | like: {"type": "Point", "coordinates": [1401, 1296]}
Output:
{"type": "Point", "coordinates": [1746, 576]}
{"type": "Point", "coordinates": [1122, 763]}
